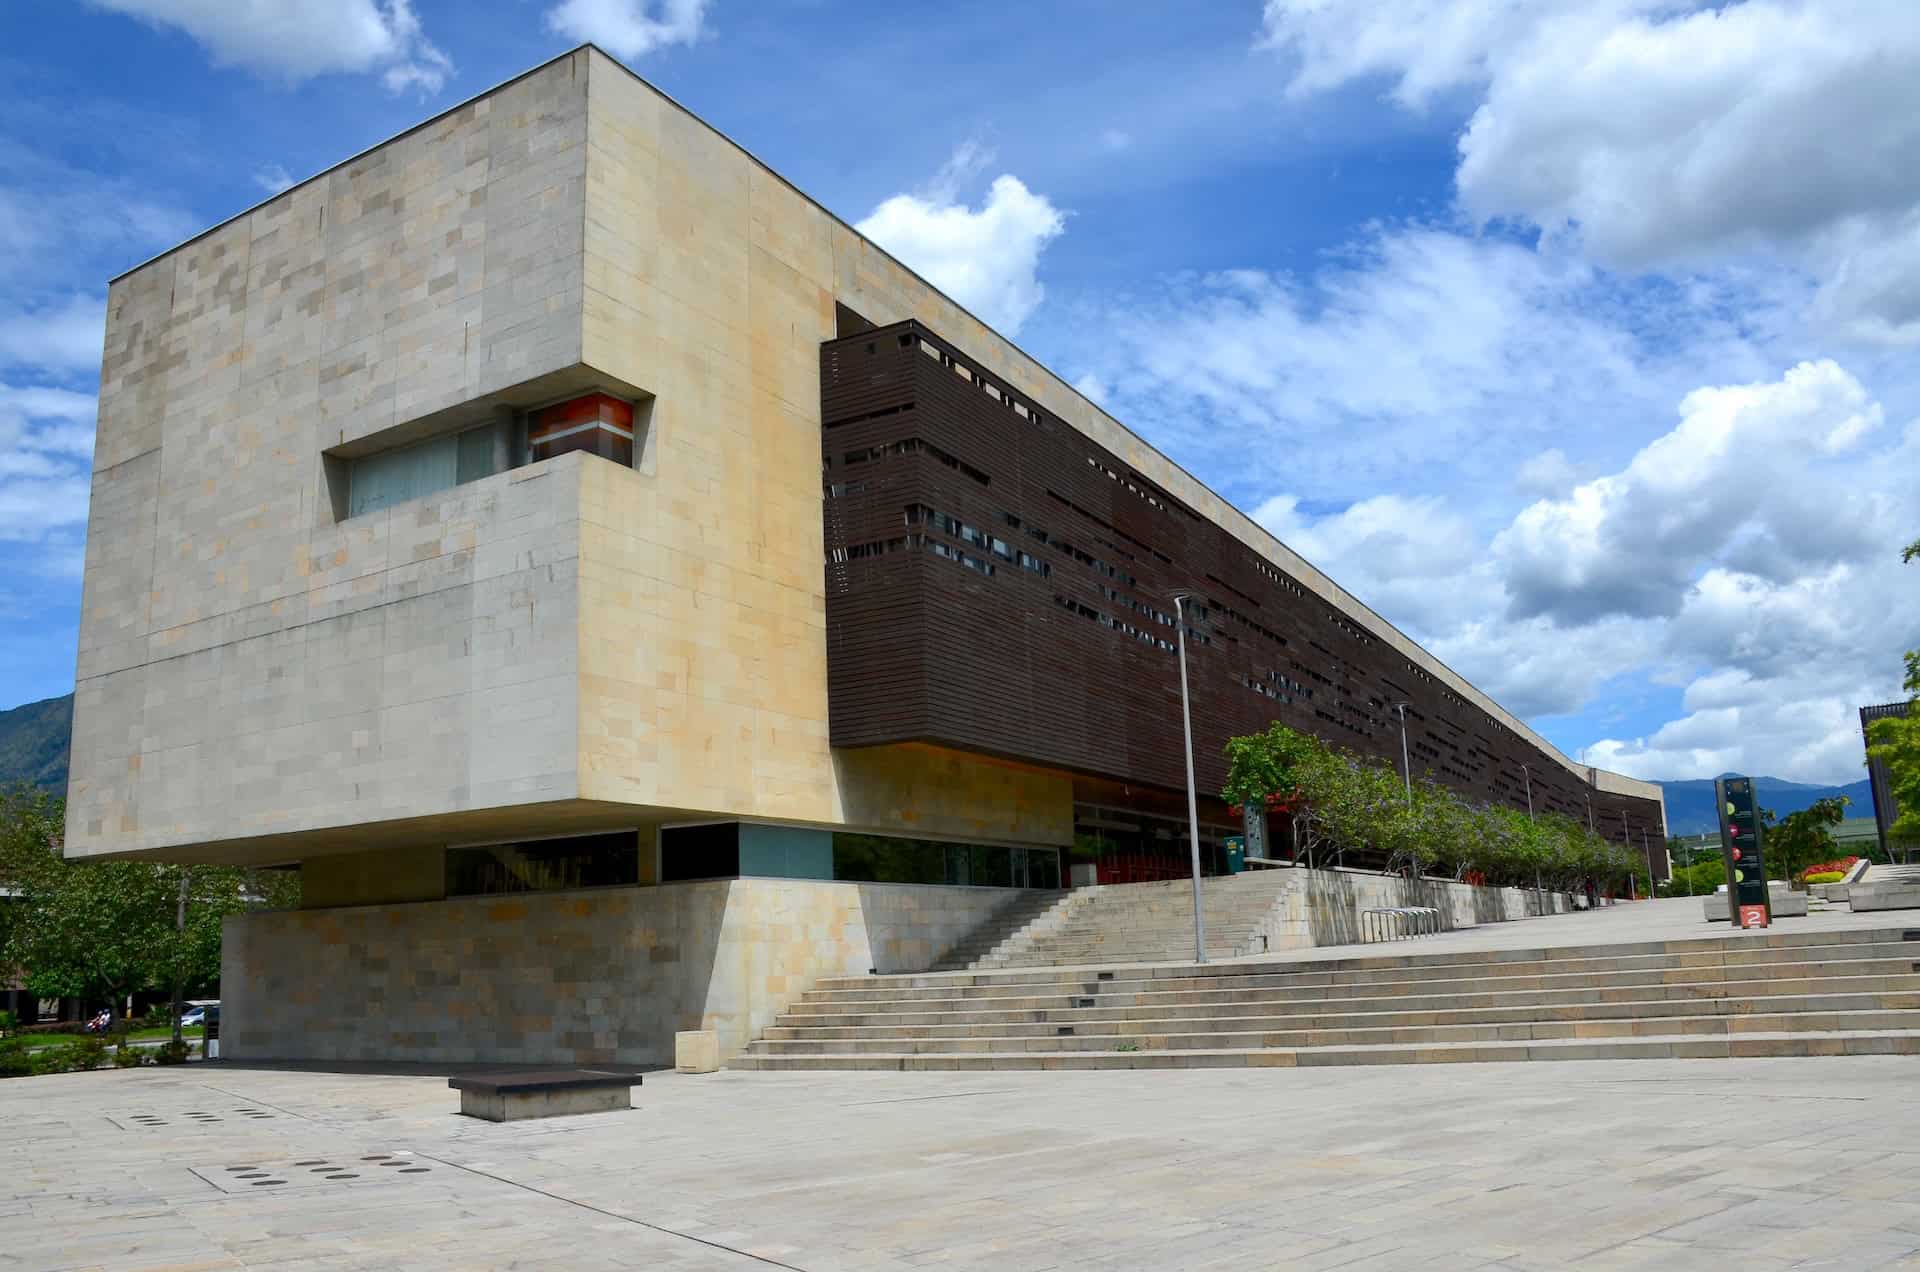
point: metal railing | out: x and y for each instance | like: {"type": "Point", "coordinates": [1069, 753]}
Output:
{"type": "Point", "coordinates": [1398, 922]}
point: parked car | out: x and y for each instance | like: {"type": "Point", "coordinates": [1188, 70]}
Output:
{"type": "Point", "coordinates": [199, 1014]}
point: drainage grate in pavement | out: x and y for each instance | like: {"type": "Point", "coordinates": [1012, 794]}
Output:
{"type": "Point", "coordinates": [308, 1171]}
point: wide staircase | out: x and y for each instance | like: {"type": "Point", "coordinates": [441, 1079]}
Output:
{"type": "Point", "coordinates": [1127, 923]}
{"type": "Point", "coordinates": [1771, 994]}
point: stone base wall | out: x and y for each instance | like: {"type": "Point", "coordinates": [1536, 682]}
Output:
{"type": "Point", "coordinates": [582, 978]}
{"type": "Point", "coordinates": [1323, 907]}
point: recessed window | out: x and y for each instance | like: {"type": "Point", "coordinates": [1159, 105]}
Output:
{"type": "Point", "coordinates": [594, 422]}
{"type": "Point", "coordinates": [710, 851]}
{"type": "Point", "coordinates": [545, 865]}
{"type": "Point", "coordinates": [887, 859]}
{"type": "Point", "coordinates": [424, 468]}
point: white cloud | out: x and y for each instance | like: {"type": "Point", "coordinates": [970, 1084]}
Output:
{"type": "Point", "coordinates": [46, 441]}
{"type": "Point", "coordinates": [1741, 474]}
{"type": "Point", "coordinates": [296, 40]}
{"type": "Point", "coordinates": [1412, 344]}
{"type": "Point", "coordinates": [48, 229]}
{"type": "Point", "coordinates": [1654, 133]}
{"type": "Point", "coordinates": [1389, 550]}
{"type": "Point", "coordinates": [987, 258]}
{"type": "Point", "coordinates": [1802, 726]}
{"type": "Point", "coordinates": [1750, 555]}
{"type": "Point", "coordinates": [1535, 669]}
{"type": "Point", "coordinates": [273, 179]}
{"type": "Point", "coordinates": [629, 28]}
{"type": "Point", "coordinates": [54, 336]}
{"type": "Point", "coordinates": [1426, 47]}
{"type": "Point", "coordinates": [1548, 473]}
{"type": "Point", "coordinates": [1115, 141]}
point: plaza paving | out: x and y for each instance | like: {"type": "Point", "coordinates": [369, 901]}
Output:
{"type": "Point", "coordinates": [1651, 1164]}
{"type": "Point", "coordinates": [1754, 1163]}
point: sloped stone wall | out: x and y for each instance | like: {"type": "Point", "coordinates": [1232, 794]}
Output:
{"type": "Point", "coordinates": [594, 977]}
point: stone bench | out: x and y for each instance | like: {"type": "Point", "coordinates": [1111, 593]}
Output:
{"type": "Point", "coordinates": [1784, 903]}
{"type": "Point", "coordinates": [509, 1097]}
{"type": "Point", "coordinates": [1893, 895]}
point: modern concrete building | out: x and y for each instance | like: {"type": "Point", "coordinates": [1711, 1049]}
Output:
{"type": "Point", "coordinates": [459, 534]}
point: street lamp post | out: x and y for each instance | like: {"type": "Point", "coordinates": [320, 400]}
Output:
{"type": "Point", "coordinates": [1406, 766]}
{"type": "Point", "coordinates": [1626, 841]}
{"type": "Point", "coordinates": [1193, 801]}
{"type": "Point", "coordinates": [1527, 778]}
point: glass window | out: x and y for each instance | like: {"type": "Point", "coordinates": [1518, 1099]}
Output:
{"type": "Point", "coordinates": [700, 852]}
{"type": "Point", "coordinates": [424, 468]}
{"type": "Point", "coordinates": [381, 481]}
{"type": "Point", "coordinates": [886, 859]}
{"type": "Point", "coordinates": [476, 455]}
{"type": "Point", "coordinates": [545, 865]}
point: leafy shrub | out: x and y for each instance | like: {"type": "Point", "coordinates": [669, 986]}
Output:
{"type": "Point", "coordinates": [1826, 876]}
{"type": "Point", "coordinates": [67, 1057]}
{"type": "Point", "coordinates": [128, 1057]}
{"type": "Point", "coordinates": [13, 1059]}
{"type": "Point", "coordinates": [171, 1052]}
{"type": "Point", "coordinates": [55, 1027]}
{"type": "Point", "coordinates": [7, 1023]}
{"type": "Point", "coordinates": [1697, 880]}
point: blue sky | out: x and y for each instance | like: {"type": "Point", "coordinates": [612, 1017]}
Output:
{"type": "Point", "coordinates": [1577, 339]}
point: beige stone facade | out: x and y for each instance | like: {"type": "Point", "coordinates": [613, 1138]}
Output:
{"type": "Point", "coordinates": [261, 679]}
{"type": "Point", "coordinates": [568, 646]}
{"type": "Point", "coordinates": [581, 977]}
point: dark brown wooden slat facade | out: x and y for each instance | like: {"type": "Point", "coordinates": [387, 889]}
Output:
{"type": "Point", "coordinates": [999, 583]}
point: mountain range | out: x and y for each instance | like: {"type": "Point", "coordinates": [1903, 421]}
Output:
{"type": "Point", "coordinates": [33, 748]}
{"type": "Point", "coordinates": [33, 743]}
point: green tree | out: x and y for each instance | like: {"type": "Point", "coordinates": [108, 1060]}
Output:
{"type": "Point", "coordinates": [30, 822]}
{"type": "Point", "coordinates": [1268, 765]}
{"type": "Point", "coordinates": [1348, 803]}
{"type": "Point", "coordinates": [1802, 838]}
{"type": "Point", "coordinates": [90, 931]}
{"type": "Point", "coordinates": [100, 930]}
{"type": "Point", "coordinates": [1896, 743]}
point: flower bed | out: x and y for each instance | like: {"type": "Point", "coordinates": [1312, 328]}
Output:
{"type": "Point", "coordinates": [1829, 871]}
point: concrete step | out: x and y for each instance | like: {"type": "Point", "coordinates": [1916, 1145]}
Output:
{"type": "Point", "coordinates": [1132, 921]}
{"type": "Point", "coordinates": [1174, 1007]}
{"type": "Point", "coordinates": [1664, 1047]}
{"type": "Point", "coordinates": [1257, 1021]}
{"type": "Point", "coordinates": [1807, 961]}
{"type": "Point", "coordinates": [1232, 1039]}
{"type": "Point", "coordinates": [1862, 974]}
{"type": "Point", "coordinates": [1747, 945]}
{"type": "Point", "coordinates": [1810, 993]}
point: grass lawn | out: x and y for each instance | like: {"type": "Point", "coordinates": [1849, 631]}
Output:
{"type": "Point", "coordinates": [160, 1033]}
